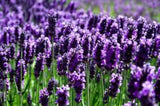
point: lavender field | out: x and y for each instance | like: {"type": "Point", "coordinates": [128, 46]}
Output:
{"type": "Point", "coordinates": [79, 53]}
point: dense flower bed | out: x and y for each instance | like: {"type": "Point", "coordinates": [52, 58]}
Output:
{"type": "Point", "coordinates": [53, 53]}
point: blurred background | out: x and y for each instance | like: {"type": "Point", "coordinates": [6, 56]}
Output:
{"type": "Point", "coordinates": [135, 8]}
{"type": "Point", "coordinates": [131, 8]}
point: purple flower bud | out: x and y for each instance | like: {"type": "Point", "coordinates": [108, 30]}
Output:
{"type": "Point", "coordinates": [4, 83]}
{"type": "Point", "coordinates": [147, 94]}
{"type": "Point", "coordinates": [3, 59]}
{"type": "Point", "coordinates": [56, 50]}
{"type": "Point", "coordinates": [93, 22]}
{"type": "Point", "coordinates": [128, 51]}
{"type": "Point", "coordinates": [71, 7]}
{"type": "Point", "coordinates": [86, 45]}
{"type": "Point", "coordinates": [74, 40]}
{"type": "Point", "coordinates": [75, 57]}
{"type": "Point", "coordinates": [52, 19]}
{"type": "Point", "coordinates": [63, 94]}
{"type": "Point", "coordinates": [115, 83]}
{"type": "Point", "coordinates": [49, 60]}
{"type": "Point", "coordinates": [81, 68]}
{"type": "Point", "coordinates": [43, 45]}
{"type": "Point", "coordinates": [157, 86]}
{"type": "Point", "coordinates": [110, 56]}
{"type": "Point", "coordinates": [39, 65]}
{"type": "Point", "coordinates": [44, 97]}
{"type": "Point", "coordinates": [150, 31]}
{"type": "Point", "coordinates": [138, 77]}
{"type": "Point", "coordinates": [20, 73]}
{"type": "Point", "coordinates": [64, 42]}
{"type": "Point", "coordinates": [142, 53]}
{"type": "Point", "coordinates": [62, 63]}
{"type": "Point", "coordinates": [157, 46]}
{"type": "Point", "coordinates": [103, 25]}
{"type": "Point", "coordinates": [97, 53]}
{"type": "Point", "coordinates": [29, 50]}
{"type": "Point", "coordinates": [140, 26]}
{"type": "Point", "coordinates": [121, 21]}
{"type": "Point", "coordinates": [51, 84]}
{"type": "Point", "coordinates": [77, 80]}
{"type": "Point", "coordinates": [92, 69]}
{"type": "Point", "coordinates": [131, 32]}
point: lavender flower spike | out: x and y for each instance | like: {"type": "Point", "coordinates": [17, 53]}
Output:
{"type": "Point", "coordinates": [44, 97]}
{"type": "Point", "coordinates": [63, 94]}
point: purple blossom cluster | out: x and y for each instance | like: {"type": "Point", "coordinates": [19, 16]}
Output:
{"type": "Point", "coordinates": [44, 97]}
{"type": "Point", "coordinates": [63, 94]}
{"type": "Point", "coordinates": [141, 84]}
{"type": "Point", "coordinates": [115, 83]}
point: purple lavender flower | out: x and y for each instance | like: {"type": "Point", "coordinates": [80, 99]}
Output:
{"type": "Point", "coordinates": [140, 26]}
{"type": "Point", "coordinates": [156, 47]}
{"type": "Point", "coordinates": [56, 50]}
{"type": "Point", "coordinates": [86, 45]}
{"type": "Point", "coordinates": [92, 69]}
{"type": "Point", "coordinates": [110, 55]}
{"type": "Point", "coordinates": [93, 22]}
{"type": "Point", "coordinates": [81, 67]}
{"type": "Point", "coordinates": [51, 84]}
{"type": "Point", "coordinates": [75, 57]}
{"type": "Point", "coordinates": [11, 52]}
{"type": "Point", "coordinates": [20, 73]}
{"type": "Point", "coordinates": [3, 59]}
{"type": "Point", "coordinates": [121, 21]}
{"type": "Point", "coordinates": [49, 60]}
{"type": "Point", "coordinates": [128, 51]}
{"type": "Point", "coordinates": [29, 50]}
{"type": "Point", "coordinates": [43, 45]}
{"type": "Point", "coordinates": [64, 43]}
{"type": "Point", "coordinates": [39, 65]}
{"type": "Point", "coordinates": [103, 25]}
{"type": "Point", "coordinates": [44, 97]}
{"type": "Point", "coordinates": [74, 40]}
{"type": "Point", "coordinates": [63, 94]}
{"type": "Point", "coordinates": [142, 53]}
{"type": "Point", "coordinates": [150, 30]}
{"type": "Point", "coordinates": [52, 19]}
{"type": "Point", "coordinates": [71, 7]}
{"type": "Point", "coordinates": [115, 83]}
{"type": "Point", "coordinates": [77, 80]}
{"type": "Point", "coordinates": [4, 82]}
{"type": "Point", "coordinates": [147, 94]}
{"type": "Point", "coordinates": [138, 77]}
{"type": "Point", "coordinates": [157, 86]}
{"type": "Point", "coordinates": [97, 53]}
{"type": "Point", "coordinates": [131, 29]}
{"type": "Point", "coordinates": [62, 64]}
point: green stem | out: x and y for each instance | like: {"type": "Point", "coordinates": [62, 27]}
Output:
{"type": "Point", "coordinates": [37, 101]}
{"type": "Point", "coordinates": [102, 85]}
{"type": "Point", "coordinates": [72, 97]}
{"type": "Point", "coordinates": [88, 91]}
